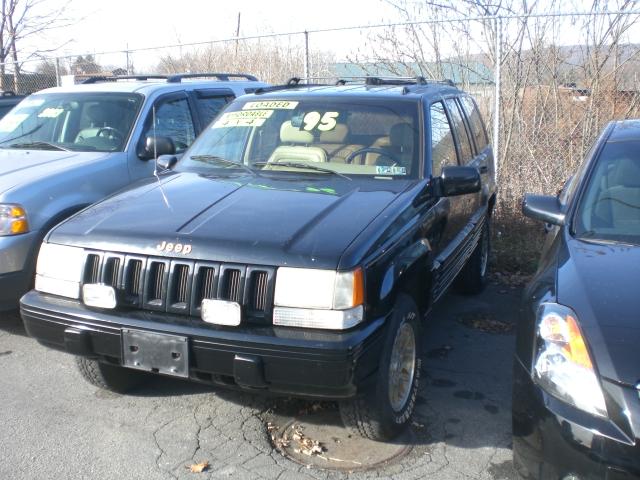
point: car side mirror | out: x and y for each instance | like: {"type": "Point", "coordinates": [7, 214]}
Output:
{"type": "Point", "coordinates": [154, 146]}
{"type": "Point", "coordinates": [166, 162]}
{"type": "Point", "coordinates": [459, 180]}
{"type": "Point", "coordinates": [543, 207]}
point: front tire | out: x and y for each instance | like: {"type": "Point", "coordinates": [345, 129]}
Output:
{"type": "Point", "coordinates": [383, 415]}
{"type": "Point", "coordinates": [108, 377]}
{"type": "Point", "coordinates": [472, 279]}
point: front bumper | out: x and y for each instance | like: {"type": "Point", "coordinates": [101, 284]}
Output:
{"type": "Point", "coordinates": [17, 264]}
{"type": "Point", "coordinates": [553, 440]}
{"type": "Point", "coordinates": [291, 361]}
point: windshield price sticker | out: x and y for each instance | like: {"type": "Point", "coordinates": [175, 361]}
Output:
{"type": "Point", "coordinates": [243, 118]}
{"type": "Point", "coordinates": [382, 170]}
{"type": "Point", "coordinates": [273, 105]}
{"type": "Point", "coordinates": [323, 122]}
{"type": "Point", "coordinates": [50, 112]}
{"type": "Point", "coordinates": [10, 122]}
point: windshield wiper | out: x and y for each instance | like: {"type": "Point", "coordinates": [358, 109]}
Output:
{"type": "Point", "coordinates": [305, 166]}
{"type": "Point", "coordinates": [215, 159]}
{"type": "Point", "coordinates": [39, 145]}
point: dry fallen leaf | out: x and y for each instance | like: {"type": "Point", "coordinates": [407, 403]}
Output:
{"type": "Point", "coordinates": [198, 467]}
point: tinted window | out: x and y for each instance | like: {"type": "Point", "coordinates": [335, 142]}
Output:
{"type": "Point", "coordinates": [466, 151]}
{"type": "Point", "coordinates": [443, 150]}
{"type": "Point", "coordinates": [210, 105]}
{"type": "Point", "coordinates": [610, 207]}
{"type": "Point", "coordinates": [475, 121]}
{"type": "Point", "coordinates": [173, 119]}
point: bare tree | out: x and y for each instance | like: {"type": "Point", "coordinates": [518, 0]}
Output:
{"type": "Point", "coordinates": [20, 20]}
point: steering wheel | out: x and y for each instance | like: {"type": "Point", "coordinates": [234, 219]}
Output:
{"type": "Point", "coordinates": [380, 151]}
{"type": "Point", "coordinates": [110, 132]}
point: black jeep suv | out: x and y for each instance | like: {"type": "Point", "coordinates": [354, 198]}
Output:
{"type": "Point", "coordinates": [293, 249]}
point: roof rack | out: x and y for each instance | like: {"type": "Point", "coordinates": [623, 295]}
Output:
{"type": "Point", "coordinates": [114, 78]}
{"type": "Point", "coordinates": [223, 77]}
{"type": "Point", "coordinates": [296, 82]}
{"type": "Point", "coordinates": [172, 78]}
{"type": "Point", "coordinates": [293, 82]}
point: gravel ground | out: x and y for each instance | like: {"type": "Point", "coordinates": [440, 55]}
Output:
{"type": "Point", "coordinates": [53, 425]}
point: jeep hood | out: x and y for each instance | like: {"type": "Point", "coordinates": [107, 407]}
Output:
{"type": "Point", "coordinates": [18, 167]}
{"type": "Point", "coordinates": [299, 220]}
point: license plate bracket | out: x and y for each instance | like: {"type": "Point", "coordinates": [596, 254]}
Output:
{"type": "Point", "coordinates": [156, 352]}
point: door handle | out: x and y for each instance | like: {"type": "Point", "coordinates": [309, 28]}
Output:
{"type": "Point", "coordinates": [483, 169]}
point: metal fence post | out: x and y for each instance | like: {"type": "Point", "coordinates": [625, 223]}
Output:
{"type": "Point", "coordinates": [307, 68]}
{"type": "Point", "coordinates": [57, 64]}
{"type": "Point", "coordinates": [496, 106]}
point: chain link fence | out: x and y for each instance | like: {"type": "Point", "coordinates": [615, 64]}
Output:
{"type": "Point", "coordinates": [547, 83]}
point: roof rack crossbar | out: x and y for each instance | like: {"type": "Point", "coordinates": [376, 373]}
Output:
{"type": "Point", "coordinates": [114, 78]}
{"type": "Point", "coordinates": [223, 77]}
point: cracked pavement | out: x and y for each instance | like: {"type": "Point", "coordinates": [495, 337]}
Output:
{"type": "Point", "coordinates": [55, 425]}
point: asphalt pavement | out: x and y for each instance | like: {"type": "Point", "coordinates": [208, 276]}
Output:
{"type": "Point", "coordinates": [53, 425]}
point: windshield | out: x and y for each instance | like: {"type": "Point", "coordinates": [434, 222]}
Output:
{"type": "Point", "coordinates": [342, 137]}
{"type": "Point", "coordinates": [610, 208]}
{"type": "Point", "coordinates": [71, 121]}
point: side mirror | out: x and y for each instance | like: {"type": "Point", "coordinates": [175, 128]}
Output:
{"type": "Point", "coordinates": [543, 207]}
{"type": "Point", "coordinates": [458, 180]}
{"type": "Point", "coordinates": [154, 146]}
{"type": "Point", "coordinates": [166, 162]}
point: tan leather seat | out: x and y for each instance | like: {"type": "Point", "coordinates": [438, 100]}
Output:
{"type": "Point", "coordinates": [334, 142]}
{"type": "Point", "coordinates": [400, 145]}
{"type": "Point", "coordinates": [298, 149]}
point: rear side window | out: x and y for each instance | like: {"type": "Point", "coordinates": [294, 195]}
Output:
{"type": "Point", "coordinates": [466, 151]}
{"type": "Point", "coordinates": [209, 105]}
{"type": "Point", "coordinates": [443, 151]}
{"type": "Point", "coordinates": [475, 121]}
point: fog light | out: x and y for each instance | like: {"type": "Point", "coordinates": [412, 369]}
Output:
{"type": "Point", "coordinates": [221, 312]}
{"type": "Point", "coordinates": [98, 295]}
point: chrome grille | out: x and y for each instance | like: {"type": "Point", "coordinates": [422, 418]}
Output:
{"type": "Point", "coordinates": [156, 282]}
{"type": "Point", "coordinates": [260, 284]}
{"type": "Point", "coordinates": [231, 289]}
{"type": "Point", "coordinates": [133, 277]}
{"type": "Point", "coordinates": [111, 271]}
{"type": "Point", "coordinates": [92, 268]}
{"type": "Point", "coordinates": [179, 286]}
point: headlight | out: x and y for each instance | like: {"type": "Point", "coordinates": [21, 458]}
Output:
{"type": "Point", "coordinates": [13, 220]}
{"type": "Point", "coordinates": [318, 298]}
{"type": "Point", "coordinates": [59, 270]}
{"type": "Point", "coordinates": [563, 365]}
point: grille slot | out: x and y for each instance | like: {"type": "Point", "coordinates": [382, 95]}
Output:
{"type": "Point", "coordinates": [156, 280]}
{"type": "Point", "coordinates": [92, 269]}
{"type": "Point", "coordinates": [207, 282]}
{"type": "Point", "coordinates": [132, 282]}
{"type": "Point", "coordinates": [181, 284]}
{"type": "Point", "coordinates": [259, 290]}
{"type": "Point", "coordinates": [232, 285]}
{"type": "Point", "coordinates": [111, 270]}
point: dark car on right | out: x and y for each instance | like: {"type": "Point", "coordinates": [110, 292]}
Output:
{"type": "Point", "coordinates": [576, 404]}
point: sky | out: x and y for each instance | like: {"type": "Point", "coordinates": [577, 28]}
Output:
{"type": "Point", "coordinates": [118, 25]}
{"type": "Point", "coordinates": [121, 24]}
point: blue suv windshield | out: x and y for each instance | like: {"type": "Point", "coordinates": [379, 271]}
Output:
{"type": "Point", "coordinates": [348, 136]}
{"type": "Point", "coordinates": [71, 121]}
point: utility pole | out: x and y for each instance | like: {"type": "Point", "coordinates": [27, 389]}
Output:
{"type": "Point", "coordinates": [237, 33]}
